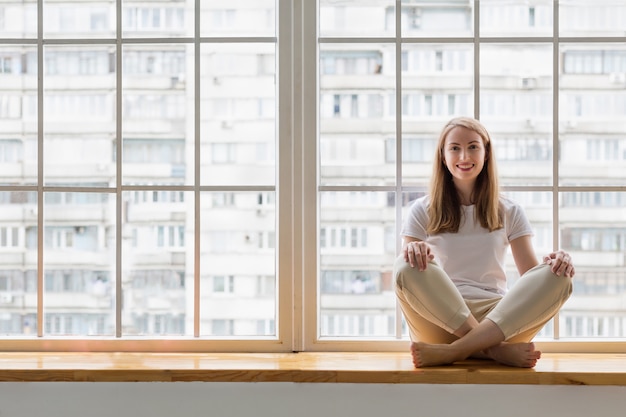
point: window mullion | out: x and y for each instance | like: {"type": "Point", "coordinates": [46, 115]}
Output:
{"type": "Point", "coordinates": [118, 170]}
{"type": "Point", "coordinates": [555, 146]}
{"type": "Point", "coordinates": [197, 162]}
{"type": "Point", "coordinates": [288, 314]}
{"type": "Point", "coordinates": [40, 172]}
{"type": "Point", "coordinates": [399, 141]}
{"type": "Point", "coordinates": [307, 63]}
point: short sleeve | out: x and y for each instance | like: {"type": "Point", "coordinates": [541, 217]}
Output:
{"type": "Point", "coordinates": [414, 224]}
{"type": "Point", "coordinates": [517, 224]}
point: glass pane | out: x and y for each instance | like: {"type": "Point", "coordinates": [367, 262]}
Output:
{"type": "Point", "coordinates": [238, 264]}
{"type": "Point", "coordinates": [18, 20]}
{"type": "Point", "coordinates": [441, 19]}
{"type": "Point", "coordinates": [594, 232]}
{"type": "Point", "coordinates": [84, 19]}
{"type": "Point", "coordinates": [157, 114]}
{"type": "Point", "coordinates": [592, 108]}
{"type": "Point", "coordinates": [18, 263]}
{"type": "Point", "coordinates": [357, 18]}
{"type": "Point", "coordinates": [357, 250]}
{"type": "Point", "coordinates": [516, 18]}
{"type": "Point", "coordinates": [357, 113]}
{"type": "Point", "coordinates": [538, 209]}
{"type": "Point", "coordinates": [18, 114]}
{"type": "Point", "coordinates": [79, 114]}
{"type": "Point", "coordinates": [238, 114]}
{"type": "Point", "coordinates": [437, 85]}
{"type": "Point", "coordinates": [516, 107]}
{"type": "Point", "coordinates": [79, 264]}
{"type": "Point", "coordinates": [238, 18]}
{"type": "Point", "coordinates": [592, 18]}
{"type": "Point", "coordinates": [157, 263]}
{"type": "Point", "coordinates": [157, 19]}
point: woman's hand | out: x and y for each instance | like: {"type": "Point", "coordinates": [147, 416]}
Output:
{"type": "Point", "coordinates": [561, 263]}
{"type": "Point", "coordinates": [417, 253]}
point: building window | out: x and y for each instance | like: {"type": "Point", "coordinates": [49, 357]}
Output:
{"type": "Point", "coordinates": [223, 284]}
{"type": "Point", "coordinates": [222, 327]}
{"type": "Point", "coordinates": [170, 236]}
{"type": "Point", "coordinates": [9, 237]}
{"type": "Point", "coordinates": [6, 65]}
{"type": "Point", "coordinates": [223, 153]}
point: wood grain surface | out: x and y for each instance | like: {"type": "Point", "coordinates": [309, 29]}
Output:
{"type": "Point", "coordinates": [338, 367]}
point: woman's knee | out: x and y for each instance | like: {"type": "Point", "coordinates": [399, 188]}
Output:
{"type": "Point", "coordinates": [401, 269]}
{"type": "Point", "coordinates": [403, 272]}
{"type": "Point", "coordinates": [544, 274]}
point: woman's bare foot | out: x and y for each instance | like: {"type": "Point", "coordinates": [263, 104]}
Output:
{"type": "Point", "coordinates": [521, 355]}
{"type": "Point", "coordinates": [425, 354]}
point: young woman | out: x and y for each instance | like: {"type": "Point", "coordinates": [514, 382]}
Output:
{"type": "Point", "coordinates": [450, 277]}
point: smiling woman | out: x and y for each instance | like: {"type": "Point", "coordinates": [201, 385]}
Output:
{"type": "Point", "coordinates": [450, 279]}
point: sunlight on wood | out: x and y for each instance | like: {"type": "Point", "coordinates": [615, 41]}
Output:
{"type": "Point", "coordinates": [344, 367]}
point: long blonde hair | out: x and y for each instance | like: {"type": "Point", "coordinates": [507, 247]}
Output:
{"type": "Point", "coordinates": [444, 211]}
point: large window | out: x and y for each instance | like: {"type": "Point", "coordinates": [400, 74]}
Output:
{"type": "Point", "coordinates": [139, 175]}
{"type": "Point", "coordinates": [233, 175]}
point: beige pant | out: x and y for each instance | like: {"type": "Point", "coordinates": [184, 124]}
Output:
{"type": "Point", "coordinates": [433, 307]}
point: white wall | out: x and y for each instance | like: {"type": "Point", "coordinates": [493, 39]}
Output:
{"type": "Point", "coordinates": [198, 399]}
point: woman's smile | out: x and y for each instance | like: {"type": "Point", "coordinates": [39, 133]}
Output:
{"type": "Point", "coordinates": [464, 154]}
{"type": "Point", "coordinates": [465, 167]}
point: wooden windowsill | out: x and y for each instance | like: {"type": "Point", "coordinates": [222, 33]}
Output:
{"type": "Point", "coordinates": [330, 367]}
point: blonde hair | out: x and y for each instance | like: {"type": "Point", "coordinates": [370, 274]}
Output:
{"type": "Point", "coordinates": [444, 211]}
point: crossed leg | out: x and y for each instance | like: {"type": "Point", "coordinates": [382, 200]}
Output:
{"type": "Point", "coordinates": [484, 340]}
{"type": "Point", "coordinates": [429, 296]}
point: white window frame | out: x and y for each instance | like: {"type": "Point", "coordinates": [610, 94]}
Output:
{"type": "Point", "coordinates": [310, 93]}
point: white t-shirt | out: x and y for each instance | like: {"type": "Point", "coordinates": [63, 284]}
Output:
{"type": "Point", "coordinates": [473, 258]}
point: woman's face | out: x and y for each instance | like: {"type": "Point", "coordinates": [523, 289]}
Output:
{"type": "Point", "coordinates": [464, 154]}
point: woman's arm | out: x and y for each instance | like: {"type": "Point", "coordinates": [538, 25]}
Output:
{"type": "Point", "coordinates": [523, 254]}
{"type": "Point", "coordinates": [525, 259]}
